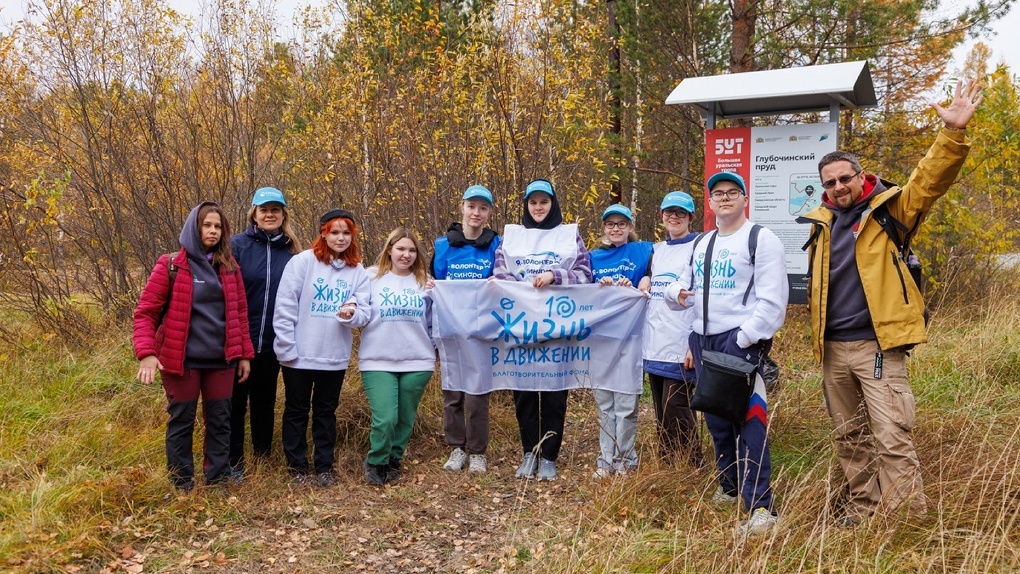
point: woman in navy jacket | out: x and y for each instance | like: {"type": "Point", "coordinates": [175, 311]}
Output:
{"type": "Point", "coordinates": [262, 251]}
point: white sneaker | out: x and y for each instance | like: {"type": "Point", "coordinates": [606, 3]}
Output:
{"type": "Point", "coordinates": [477, 464]}
{"type": "Point", "coordinates": [761, 521]}
{"type": "Point", "coordinates": [456, 461]}
{"type": "Point", "coordinates": [602, 473]}
{"type": "Point", "coordinates": [720, 497]}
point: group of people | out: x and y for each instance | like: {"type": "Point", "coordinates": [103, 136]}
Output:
{"type": "Point", "coordinates": [223, 316]}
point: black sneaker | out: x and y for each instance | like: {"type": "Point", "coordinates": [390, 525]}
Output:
{"type": "Point", "coordinates": [184, 486]}
{"type": "Point", "coordinates": [326, 478]}
{"type": "Point", "coordinates": [393, 471]}
{"type": "Point", "coordinates": [301, 480]}
{"type": "Point", "coordinates": [236, 475]}
{"type": "Point", "coordinates": [375, 474]}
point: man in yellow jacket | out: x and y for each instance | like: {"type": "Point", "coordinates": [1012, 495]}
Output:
{"type": "Point", "coordinates": [866, 311]}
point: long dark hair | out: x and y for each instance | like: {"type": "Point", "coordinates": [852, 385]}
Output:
{"type": "Point", "coordinates": [221, 251]}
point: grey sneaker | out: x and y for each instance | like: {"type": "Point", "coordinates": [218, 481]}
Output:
{"type": "Point", "coordinates": [477, 464]}
{"type": "Point", "coordinates": [456, 461]}
{"type": "Point", "coordinates": [528, 466]}
{"type": "Point", "coordinates": [602, 473]}
{"type": "Point", "coordinates": [761, 521]}
{"type": "Point", "coordinates": [546, 469]}
{"type": "Point", "coordinates": [721, 497]}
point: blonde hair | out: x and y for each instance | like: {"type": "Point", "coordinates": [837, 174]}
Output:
{"type": "Point", "coordinates": [384, 263]}
{"type": "Point", "coordinates": [285, 227]}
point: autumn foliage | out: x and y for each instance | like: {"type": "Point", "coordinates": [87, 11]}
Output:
{"type": "Point", "coordinates": [119, 115]}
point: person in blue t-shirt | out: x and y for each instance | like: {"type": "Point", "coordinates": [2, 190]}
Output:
{"type": "Point", "coordinates": [467, 251]}
{"type": "Point", "coordinates": [619, 259]}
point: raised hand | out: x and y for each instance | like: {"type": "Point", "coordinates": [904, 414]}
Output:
{"type": "Point", "coordinates": [959, 112]}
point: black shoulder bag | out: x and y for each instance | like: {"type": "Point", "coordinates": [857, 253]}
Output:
{"type": "Point", "coordinates": [725, 383]}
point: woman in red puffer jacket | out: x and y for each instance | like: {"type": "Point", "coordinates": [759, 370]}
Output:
{"type": "Point", "coordinates": [191, 324]}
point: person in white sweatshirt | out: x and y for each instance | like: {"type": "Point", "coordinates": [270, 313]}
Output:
{"type": "Point", "coordinates": [396, 355]}
{"type": "Point", "coordinates": [747, 299]}
{"type": "Point", "coordinates": [323, 295]}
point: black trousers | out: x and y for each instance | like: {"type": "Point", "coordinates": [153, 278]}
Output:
{"type": "Point", "coordinates": [675, 422]}
{"type": "Point", "coordinates": [537, 414]}
{"type": "Point", "coordinates": [258, 393]}
{"type": "Point", "coordinates": [318, 392]}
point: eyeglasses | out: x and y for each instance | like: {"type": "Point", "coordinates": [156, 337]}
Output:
{"type": "Point", "coordinates": [616, 224]}
{"type": "Point", "coordinates": [674, 212]}
{"type": "Point", "coordinates": [727, 194]}
{"type": "Point", "coordinates": [843, 179]}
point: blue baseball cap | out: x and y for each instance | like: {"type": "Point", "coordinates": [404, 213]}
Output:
{"type": "Point", "coordinates": [727, 176]}
{"type": "Point", "coordinates": [678, 199]}
{"type": "Point", "coordinates": [539, 185]}
{"type": "Point", "coordinates": [268, 195]}
{"type": "Point", "coordinates": [618, 210]}
{"type": "Point", "coordinates": [476, 192]}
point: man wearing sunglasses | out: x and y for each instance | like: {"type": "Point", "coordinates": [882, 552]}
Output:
{"type": "Point", "coordinates": [867, 312]}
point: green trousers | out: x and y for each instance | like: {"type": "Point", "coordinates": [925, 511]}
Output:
{"type": "Point", "coordinates": [394, 399]}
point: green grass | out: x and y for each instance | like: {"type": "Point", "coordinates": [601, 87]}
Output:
{"type": "Point", "coordinates": [83, 486]}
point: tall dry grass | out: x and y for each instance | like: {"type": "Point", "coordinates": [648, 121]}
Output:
{"type": "Point", "coordinates": [82, 480]}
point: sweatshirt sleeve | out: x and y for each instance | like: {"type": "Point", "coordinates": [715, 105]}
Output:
{"type": "Point", "coordinates": [285, 315]}
{"type": "Point", "coordinates": [581, 270]}
{"type": "Point", "coordinates": [672, 293]}
{"type": "Point", "coordinates": [362, 298]}
{"type": "Point", "coordinates": [771, 289]}
{"type": "Point", "coordinates": [499, 268]}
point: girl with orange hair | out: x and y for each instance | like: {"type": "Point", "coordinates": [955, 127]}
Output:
{"type": "Point", "coordinates": [324, 295]}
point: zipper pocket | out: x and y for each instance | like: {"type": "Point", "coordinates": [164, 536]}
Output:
{"type": "Point", "coordinates": [899, 271]}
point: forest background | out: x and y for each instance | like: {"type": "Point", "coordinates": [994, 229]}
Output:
{"type": "Point", "coordinates": [118, 116]}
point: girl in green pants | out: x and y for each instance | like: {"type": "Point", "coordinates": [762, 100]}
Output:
{"type": "Point", "coordinates": [396, 356]}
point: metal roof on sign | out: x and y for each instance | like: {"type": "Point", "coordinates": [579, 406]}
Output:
{"type": "Point", "coordinates": [786, 91]}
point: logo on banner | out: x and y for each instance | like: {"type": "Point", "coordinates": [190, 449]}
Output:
{"type": "Point", "coordinates": [328, 298]}
{"type": "Point", "coordinates": [562, 320]}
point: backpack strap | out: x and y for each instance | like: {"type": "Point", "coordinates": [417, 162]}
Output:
{"type": "Point", "coordinates": [895, 229]}
{"type": "Point", "coordinates": [707, 272]}
{"type": "Point", "coordinates": [752, 246]}
{"type": "Point", "coordinates": [694, 247]}
{"type": "Point", "coordinates": [171, 269]}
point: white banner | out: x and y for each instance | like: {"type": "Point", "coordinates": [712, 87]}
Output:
{"type": "Point", "coordinates": [509, 335]}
